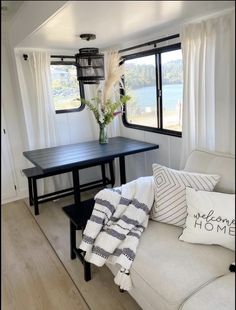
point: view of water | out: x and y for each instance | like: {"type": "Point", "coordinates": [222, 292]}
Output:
{"type": "Point", "coordinates": [146, 96]}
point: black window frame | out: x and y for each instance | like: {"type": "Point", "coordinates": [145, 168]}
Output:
{"type": "Point", "coordinates": [81, 88]}
{"type": "Point", "coordinates": [157, 52]}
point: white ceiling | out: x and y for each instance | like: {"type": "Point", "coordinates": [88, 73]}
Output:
{"type": "Point", "coordinates": [9, 8]}
{"type": "Point", "coordinates": [115, 22]}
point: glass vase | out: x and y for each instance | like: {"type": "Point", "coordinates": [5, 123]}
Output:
{"type": "Point", "coordinates": [103, 137]}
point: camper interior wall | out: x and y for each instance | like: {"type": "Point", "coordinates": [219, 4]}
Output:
{"type": "Point", "coordinates": [14, 138]}
{"type": "Point", "coordinates": [74, 127]}
{"type": "Point", "coordinates": [168, 153]}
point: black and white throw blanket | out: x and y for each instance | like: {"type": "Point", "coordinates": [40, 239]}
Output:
{"type": "Point", "coordinates": [112, 233]}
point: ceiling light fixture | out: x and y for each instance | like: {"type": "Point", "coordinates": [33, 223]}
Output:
{"type": "Point", "coordinates": [87, 36]}
{"type": "Point", "coordinates": [89, 63]}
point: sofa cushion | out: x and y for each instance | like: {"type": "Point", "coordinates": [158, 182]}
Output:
{"type": "Point", "coordinates": [168, 270]}
{"type": "Point", "coordinates": [170, 186]}
{"type": "Point", "coordinates": [217, 163]}
{"type": "Point", "coordinates": [217, 295]}
{"type": "Point", "coordinates": [210, 219]}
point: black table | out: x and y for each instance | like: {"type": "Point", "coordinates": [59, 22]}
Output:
{"type": "Point", "coordinates": [72, 157]}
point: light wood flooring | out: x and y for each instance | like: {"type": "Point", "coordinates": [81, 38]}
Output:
{"type": "Point", "coordinates": [37, 270]}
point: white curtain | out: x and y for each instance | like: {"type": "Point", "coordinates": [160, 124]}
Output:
{"type": "Point", "coordinates": [209, 77]}
{"type": "Point", "coordinates": [39, 111]}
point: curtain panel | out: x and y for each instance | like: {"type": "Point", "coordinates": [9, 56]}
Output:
{"type": "Point", "coordinates": [209, 77]}
{"type": "Point", "coordinates": [39, 112]}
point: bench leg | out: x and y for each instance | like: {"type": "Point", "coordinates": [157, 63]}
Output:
{"type": "Point", "coordinates": [36, 206]}
{"type": "Point", "coordinates": [72, 240]}
{"type": "Point", "coordinates": [87, 267]}
{"type": "Point", "coordinates": [87, 271]}
{"type": "Point", "coordinates": [31, 202]}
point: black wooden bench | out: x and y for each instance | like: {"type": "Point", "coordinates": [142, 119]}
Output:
{"type": "Point", "coordinates": [79, 216]}
{"type": "Point", "coordinates": [34, 174]}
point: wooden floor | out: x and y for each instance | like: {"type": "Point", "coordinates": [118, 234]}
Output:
{"type": "Point", "coordinates": [33, 277]}
{"type": "Point", "coordinates": [37, 270]}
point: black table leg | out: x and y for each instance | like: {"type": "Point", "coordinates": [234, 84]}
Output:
{"type": "Point", "coordinates": [103, 174]}
{"type": "Point", "coordinates": [75, 174]}
{"type": "Point", "coordinates": [112, 176]}
{"type": "Point", "coordinates": [122, 170]}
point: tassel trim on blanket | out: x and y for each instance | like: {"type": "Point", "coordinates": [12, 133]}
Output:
{"type": "Point", "coordinates": [123, 280]}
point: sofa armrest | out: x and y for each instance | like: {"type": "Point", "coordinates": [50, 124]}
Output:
{"type": "Point", "coordinates": [217, 295]}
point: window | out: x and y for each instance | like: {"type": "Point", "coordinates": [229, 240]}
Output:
{"type": "Point", "coordinates": [154, 80]}
{"type": "Point", "coordinates": [66, 90]}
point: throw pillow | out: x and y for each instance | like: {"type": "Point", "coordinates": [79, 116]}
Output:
{"type": "Point", "coordinates": [211, 218]}
{"type": "Point", "coordinates": [170, 195]}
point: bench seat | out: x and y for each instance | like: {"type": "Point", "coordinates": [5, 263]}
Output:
{"type": "Point", "coordinates": [78, 216]}
{"type": "Point", "coordinates": [33, 174]}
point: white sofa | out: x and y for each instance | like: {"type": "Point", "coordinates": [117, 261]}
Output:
{"type": "Point", "coordinates": [169, 274]}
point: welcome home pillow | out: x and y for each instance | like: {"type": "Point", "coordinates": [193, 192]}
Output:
{"type": "Point", "coordinates": [211, 218]}
{"type": "Point", "coordinates": [170, 192]}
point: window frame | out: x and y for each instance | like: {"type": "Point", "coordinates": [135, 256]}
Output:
{"type": "Point", "coordinates": [157, 53]}
{"type": "Point", "coordinates": [81, 87]}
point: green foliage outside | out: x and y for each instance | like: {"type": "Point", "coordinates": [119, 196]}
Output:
{"type": "Point", "coordinates": [65, 87]}
{"type": "Point", "coordinates": [143, 75]}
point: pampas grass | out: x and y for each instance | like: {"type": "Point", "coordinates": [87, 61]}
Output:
{"type": "Point", "coordinates": [104, 106]}
{"type": "Point", "coordinates": [113, 74]}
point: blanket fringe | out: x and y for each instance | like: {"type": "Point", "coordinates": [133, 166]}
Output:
{"type": "Point", "coordinates": [123, 279]}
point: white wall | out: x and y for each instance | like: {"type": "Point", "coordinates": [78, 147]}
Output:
{"type": "Point", "coordinates": [140, 164]}
{"type": "Point", "coordinates": [13, 116]}
{"type": "Point", "coordinates": [8, 180]}
{"type": "Point", "coordinates": [74, 127]}
{"type": "Point", "coordinates": [77, 127]}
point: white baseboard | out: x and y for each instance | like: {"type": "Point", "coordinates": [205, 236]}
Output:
{"type": "Point", "coordinates": [20, 195]}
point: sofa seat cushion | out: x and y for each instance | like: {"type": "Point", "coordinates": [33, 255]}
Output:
{"type": "Point", "coordinates": [217, 295]}
{"type": "Point", "coordinates": [169, 270]}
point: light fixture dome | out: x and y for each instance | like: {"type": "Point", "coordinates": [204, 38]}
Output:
{"type": "Point", "coordinates": [88, 36]}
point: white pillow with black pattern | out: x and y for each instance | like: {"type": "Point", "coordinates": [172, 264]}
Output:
{"type": "Point", "coordinates": [211, 218]}
{"type": "Point", "coordinates": [170, 192]}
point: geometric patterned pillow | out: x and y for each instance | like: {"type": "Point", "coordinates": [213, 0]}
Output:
{"type": "Point", "coordinates": [170, 192]}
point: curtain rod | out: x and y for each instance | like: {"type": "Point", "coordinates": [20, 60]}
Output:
{"type": "Point", "coordinates": [62, 56]}
{"type": "Point", "coordinates": [123, 50]}
{"type": "Point", "coordinates": [25, 56]}
{"type": "Point", "coordinates": [150, 43]}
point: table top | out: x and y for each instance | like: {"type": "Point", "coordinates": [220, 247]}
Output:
{"type": "Point", "coordinates": [85, 153]}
